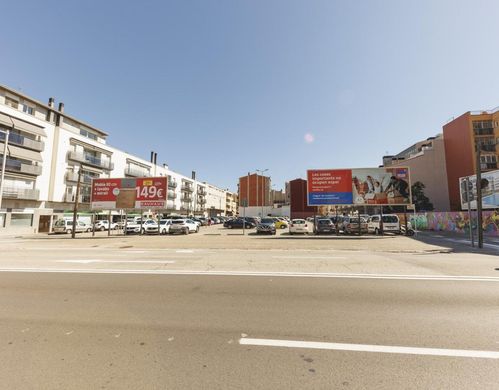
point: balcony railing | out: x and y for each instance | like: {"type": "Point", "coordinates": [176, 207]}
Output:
{"type": "Point", "coordinates": [201, 191]}
{"type": "Point", "coordinates": [90, 160]}
{"type": "Point", "coordinates": [21, 193]}
{"type": "Point", "coordinates": [21, 140]}
{"type": "Point", "coordinates": [172, 195]}
{"type": "Point", "coordinates": [12, 165]}
{"type": "Point", "coordinates": [73, 176]}
{"type": "Point", "coordinates": [486, 131]}
{"type": "Point", "coordinates": [488, 147]}
{"type": "Point", "coordinates": [172, 184]}
{"type": "Point", "coordinates": [137, 172]}
{"type": "Point", "coordinates": [488, 165]}
{"type": "Point", "coordinates": [187, 188]}
{"type": "Point", "coordinates": [201, 200]}
{"type": "Point", "coordinates": [186, 197]}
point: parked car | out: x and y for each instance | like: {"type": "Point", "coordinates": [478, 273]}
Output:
{"type": "Point", "coordinates": [280, 223]}
{"type": "Point", "coordinates": [238, 224]}
{"type": "Point", "coordinates": [103, 224]}
{"type": "Point", "coordinates": [137, 228]}
{"type": "Point", "coordinates": [66, 226]}
{"type": "Point", "coordinates": [324, 226]}
{"type": "Point", "coordinates": [391, 224]}
{"type": "Point", "coordinates": [350, 225]}
{"type": "Point", "coordinates": [183, 226]}
{"type": "Point", "coordinates": [164, 226]}
{"type": "Point", "coordinates": [298, 225]}
{"type": "Point", "coordinates": [266, 225]}
{"type": "Point", "coordinates": [204, 221]}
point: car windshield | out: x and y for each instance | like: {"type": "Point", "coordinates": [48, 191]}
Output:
{"type": "Point", "coordinates": [324, 222]}
{"type": "Point", "coordinates": [390, 218]}
{"type": "Point", "coordinates": [298, 221]}
{"type": "Point", "coordinates": [267, 220]}
{"type": "Point", "coordinates": [178, 222]}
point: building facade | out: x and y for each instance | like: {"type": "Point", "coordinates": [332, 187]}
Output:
{"type": "Point", "coordinates": [427, 164]}
{"type": "Point", "coordinates": [231, 204]}
{"type": "Point", "coordinates": [254, 190]}
{"type": "Point", "coordinates": [298, 199]}
{"type": "Point", "coordinates": [47, 149]}
{"type": "Point", "coordinates": [461, 136]}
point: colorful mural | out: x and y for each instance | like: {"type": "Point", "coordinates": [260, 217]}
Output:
{"type": "Point", "coordinates": [456, 221]}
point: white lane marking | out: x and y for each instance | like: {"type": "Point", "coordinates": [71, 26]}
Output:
{"type": "Point", "coordinates": [372, 348]}
{"type": "Point", "coordinates": [308, 257]}
{"type": "Point", "coordinates": [257, 273]}
{"type": "Point", "coordinates": [117, 261]}
{"type": "Point", "coordinates": [184, 251]}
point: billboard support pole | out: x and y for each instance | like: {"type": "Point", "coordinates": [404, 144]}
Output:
{"type": "Point", "coordinates": [336, 222]}
{"type": "Point", "coordinates": [93, 224]}
{"type": "Point", "coordinates": [126, 220]}
{"type": "Point", "coordinates": [142, 220]}
{"type": "Point", "coordinates": [479, 195]}
{"type": "Point", "coordinates": [405, 221]}
{"type": "Point", "coordinates": [358, 215]}
{"type": "Point", "coordinates": [381, 220]}
{"type": "Point", "coordinates": [109, 224]}
{"type": "Point", "coordinates": [75, 209]}
{"type": "Point", "coordinates": [470, 220]}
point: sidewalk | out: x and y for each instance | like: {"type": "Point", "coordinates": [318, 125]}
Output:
{"type": "Point", "coordinates": [458, 242]}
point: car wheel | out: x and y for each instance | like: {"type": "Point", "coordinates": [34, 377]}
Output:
{"type": "Point", "coordinates": [89, 230]}
{"type": "Point", "coordinates": [143, 231]}
{"type": "Point", "coordinates": [229, 227]}
{"type": "Point", "coordinates": [186, 231]}
{"type": "Point", "coordinates": [102, 228]}
{"type": "Point", "coordinates": [197, 230]}
{"type": "Point", "coordinates": [69, 231]}
{"type": "Point", "coordinates": [376, 231]}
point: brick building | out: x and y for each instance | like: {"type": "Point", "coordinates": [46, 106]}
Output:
{"type": "Point", "coordinates": [258, 187]}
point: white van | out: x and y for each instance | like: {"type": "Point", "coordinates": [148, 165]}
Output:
{"type": "Point", "coordinates": [391, 224]}
{"type": "Point", "coordinates": [66, 226]}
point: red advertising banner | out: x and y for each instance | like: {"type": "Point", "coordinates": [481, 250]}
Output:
{"type": "Point", "coordinates": [129, 193]}
{"type": "Point", "coordinates": [329, 186]}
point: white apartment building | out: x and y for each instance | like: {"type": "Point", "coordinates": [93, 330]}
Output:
{"type": "Point", "coordinates": [232, 204]}
{"type": "Point", "coordinates": [46, 150]}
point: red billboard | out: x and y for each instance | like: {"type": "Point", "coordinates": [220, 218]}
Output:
{"type": "Point", "coordinates": [129, 193]}
{"type": "Point", "coordinates": [359, 186]}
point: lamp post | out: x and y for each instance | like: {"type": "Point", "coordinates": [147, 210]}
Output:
{"type": "Point", "coordinates": [4, 161]}
{"type": "Point", "coordinates": [261, 171]}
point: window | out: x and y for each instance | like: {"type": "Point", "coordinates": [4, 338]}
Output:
{"type": "Point", "coordinates": [88, 134]}
{"type": "Point", "coordinates": [28, 109]}
{"type": "Point", "coordinates": [11, 102]}
{"type": "Point", "coordinates": [21, 220]}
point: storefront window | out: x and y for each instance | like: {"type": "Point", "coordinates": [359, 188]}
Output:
{"type": "Point", "coordinates": [21, 220]}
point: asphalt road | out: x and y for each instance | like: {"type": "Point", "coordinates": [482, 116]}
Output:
{"type": "Point", "coordinates": [113, 331]}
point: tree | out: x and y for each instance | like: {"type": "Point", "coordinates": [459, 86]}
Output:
{"type": "Point", "coordinates": [420, 200]}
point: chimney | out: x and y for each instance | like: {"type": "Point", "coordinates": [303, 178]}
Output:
{"type": "Point", "coordinates": [165, 165]}
{"type": "Point", "coordinates": [193, 175]}
{"type": "Point", "coordinates": [51, 102]}
{"type": "Point", "coordinates": [155, 158]}
{"type": "Point", "coordinates": [152, 156]}
{"type": "Point", "coordinates": [61, 107]}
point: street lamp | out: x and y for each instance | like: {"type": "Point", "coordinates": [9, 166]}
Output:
{"type": "Point", "coordinates": [262, 171]}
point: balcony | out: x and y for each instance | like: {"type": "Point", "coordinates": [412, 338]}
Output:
{"type": "Point", "coordinates": [488, 147]}
{"type": "Point", "coordinates": [73, 176]}
{"type": "Point", "coordinates": [484, 132]}
{"type": "Point", "coordinates": [21, 193]}
{"type": "Point", "coordinates": [172, 195]}
{"type": "Point", "coordinates": [187, 188]}
{"type": "Point", "coordinates": [186, 197]}
{"type": "Point", "coordinates": [20, 140]}
{"type": "Point", "coordinates": [90, 160]}
{"type": "Point", "coordinates": [487, 166]}
{"type": "Point", "coordinates": [17, 166]}
{"type": "Point", "coordinates": [136, 172]}
{"type": "Point", "coordinates": [201, 191]}
{"type": "Point", "coordinates": [172, 184]}
{"type": "Point", "coordinates": [201, 200]}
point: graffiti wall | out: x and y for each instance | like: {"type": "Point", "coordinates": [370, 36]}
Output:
{"type": "Point", "coordinates": [456, 221]}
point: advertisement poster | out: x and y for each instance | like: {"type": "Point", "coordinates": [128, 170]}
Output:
{"type": "Point", "coordinates": [129, 193]}
{"type": "Point", "coordinates": [490, 191]}
{"type": "Point", "coordinates": [362, 186]}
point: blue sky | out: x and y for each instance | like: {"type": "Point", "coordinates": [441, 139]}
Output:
{"type": "Point", "coordinates": [224, 87]}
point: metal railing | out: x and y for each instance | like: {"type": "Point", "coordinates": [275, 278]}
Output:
{"type": "Point", "coordinates": [201, 191]}
{"type": "Point", "coordinates": [73, 176]}
{"type": "Point", "coordinates": [21, 193]}
{"type": "Point", "coordinates": [12, 165]}
{"type": "Point", "coordinates": [90, 160]}
{"type": "Point", "coordinates": [201, 200]}
{"type": "Point", "coordinates": [172, 184]}
{"type": "Point", "coordinates": [21, 140]}
{"type": "Point", "coordinates": [137, 172]}
{"type": "Point", "coordinates": [186, 197]}
{"type": "Point", "coordinates": [187, 188]}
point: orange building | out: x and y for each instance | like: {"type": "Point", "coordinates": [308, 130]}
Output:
{"type": "Point", "coordinates": [460, 137]}
{"type": "Point", "coordinates": [258, 187]}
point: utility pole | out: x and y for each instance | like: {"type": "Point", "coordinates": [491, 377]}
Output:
{"type": "Point", "coordinates": [4, 161]}
{"type": "Point", "coordinates": [75, 209]}
{"type": "Point", "coordinates": [479, 194]}
{"type": "Point", "coordinates": [468, 194]}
